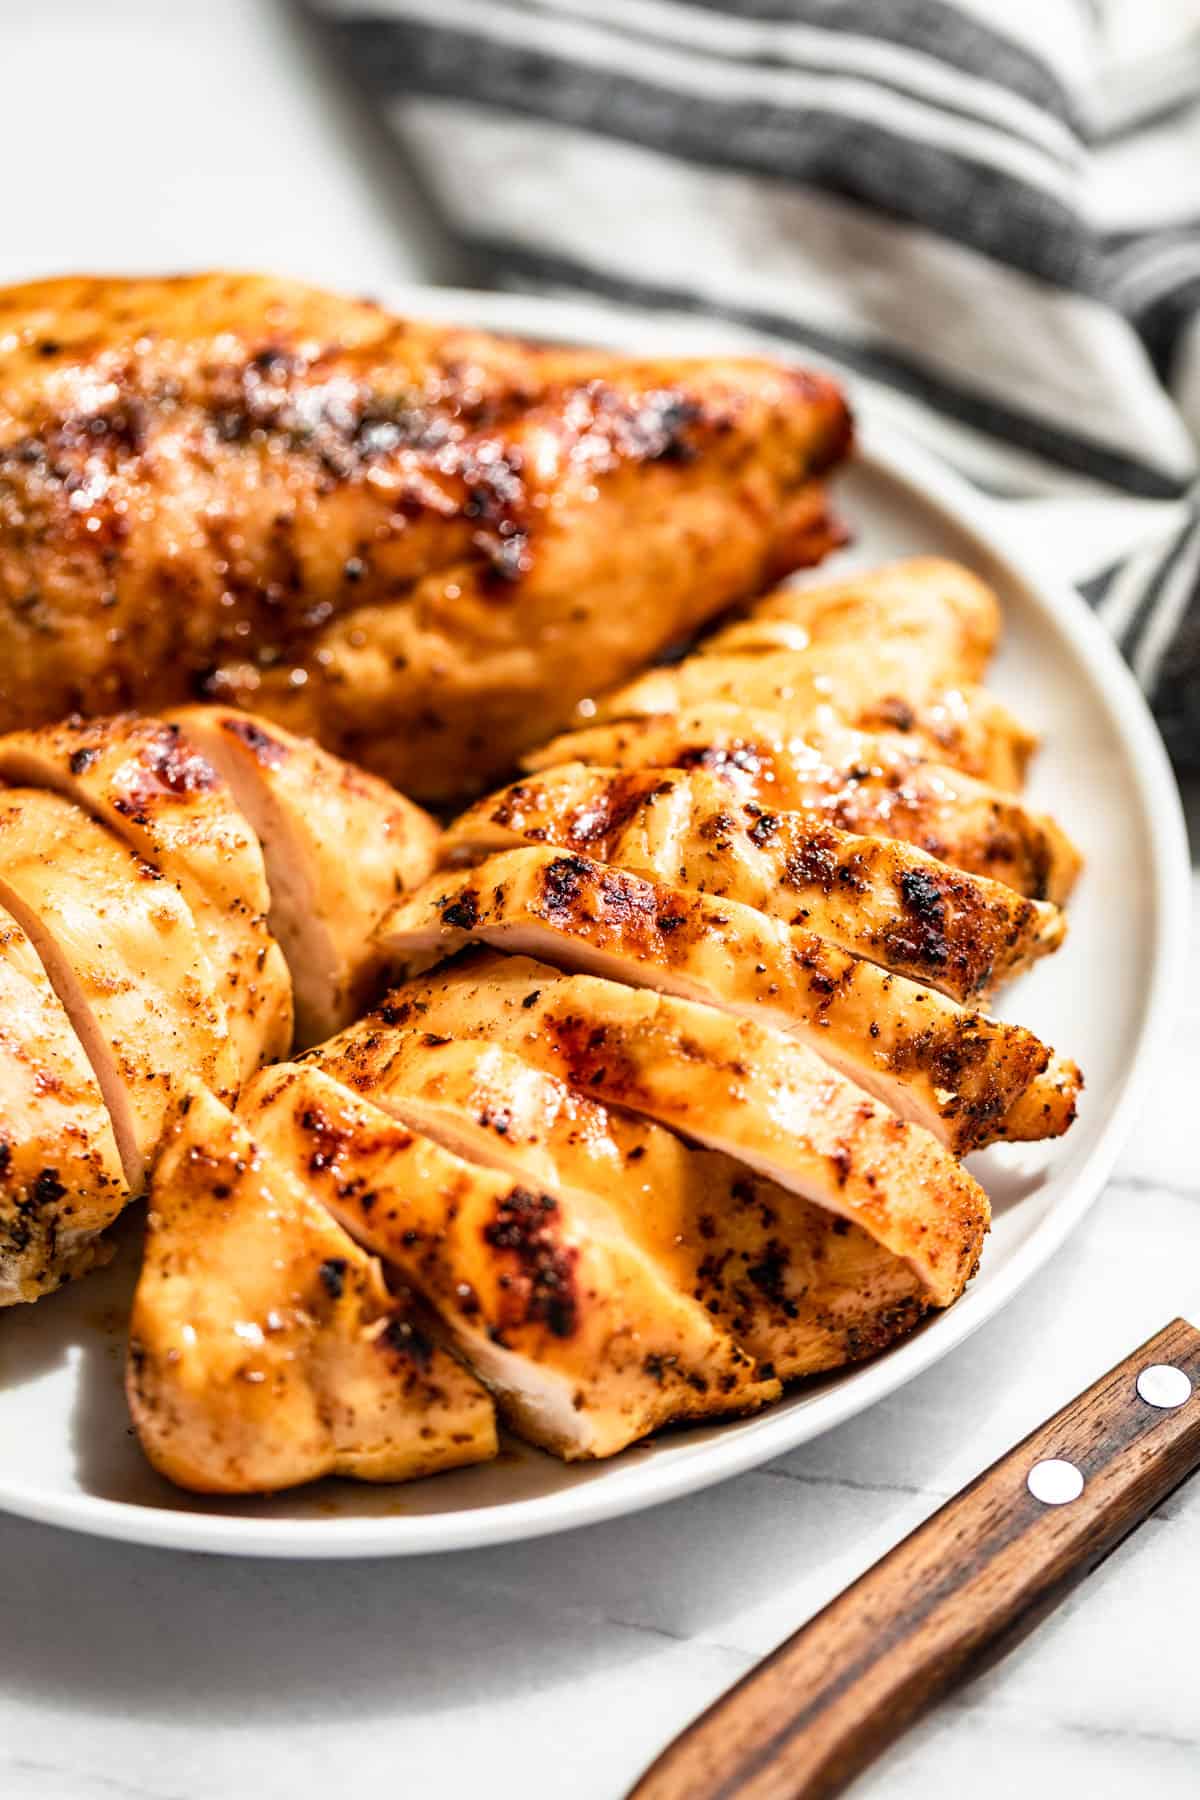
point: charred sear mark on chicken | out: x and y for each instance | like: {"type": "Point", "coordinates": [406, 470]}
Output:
{"type": "Point", "coordinates": [405, 1340]}
{"type": "Point", "coordinates": [527, 1225]}
{"type": "Point", "coordinates": [262, 745]}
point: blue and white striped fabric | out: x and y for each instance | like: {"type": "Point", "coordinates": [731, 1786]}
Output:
{"type": "Point", "coordinates": [987, 215]}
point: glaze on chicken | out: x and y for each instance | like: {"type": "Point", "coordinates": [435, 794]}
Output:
{"type": "Point", "coordinates": [420, 545]}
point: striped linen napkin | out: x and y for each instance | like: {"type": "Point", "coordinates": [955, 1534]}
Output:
{"type": "Point", "coordinates": [985, 215]}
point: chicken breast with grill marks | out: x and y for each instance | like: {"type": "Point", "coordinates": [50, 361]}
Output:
{"type": "Point", "coordinates": [795, 1286]}
{"type": "Point", "coordinates": [875, 784]}
{"type": "Point", "coordinates": [545, 1296]}
{"type": "Point", "coordinates": [124, 956]}
{"type": "Point", "coordinates": [340, 846]}
{"type": "Point", "coordinates": [420, 545]}
{"type": "Point", "coordinates": [878, 899]}
{"type": "Point", "coordinates": [138, 778]}
{"type": "Point", "coordinates": [265, 1349]}
{"type": "Point", "coordinates": [968, 1079]}
{"type": "Point", "coordinates": [731, 1084]}
{"type": "Point", "coordinates": [61, 1180]}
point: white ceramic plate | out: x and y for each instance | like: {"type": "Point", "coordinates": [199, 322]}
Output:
{"type": "Point", "coordinates": [67, 1454]}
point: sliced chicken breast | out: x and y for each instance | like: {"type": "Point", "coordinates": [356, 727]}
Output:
{"type": "Point", "coordinates": [865, 686]}
{"type": "Point", "coordinates": [936, 609]}
{"type": "Point", "coordinates": [901, 648]}
{"type": "Point", "coordinates": [125, 958]}
{"type": "Point", "coordinates": [876, 784]}
{"type": "Point", "coordinates": [878, 899]}
{"type": "Point", "coordinates": [61, 1181]}
{"type": "Point", "coordinates": [139, 778]}
{"type": "Point", "coordinates": [265, 1349]}
{"type": "Point", "coordinates": [567, 1320]}
{"type": "Point", "coordinates": [968, 1079]}
{"type": "Point", "coordinates": [731, 1084]}
{"type": "Point", "coordinates": [796, 1287]}
{"type": "Point", "coordinates": [340, 845]}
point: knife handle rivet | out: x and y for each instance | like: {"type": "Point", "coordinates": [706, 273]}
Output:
{"type": "Point", "coordinates": [1055, 1482]}
{"type": "Point", "coordinates": [1161, 1384]}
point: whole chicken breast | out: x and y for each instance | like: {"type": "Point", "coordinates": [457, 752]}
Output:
{"type": "Point", "coordinates": [543, 1294]}
{"type": "Point", "coordinates": [418, 544]}
{"type": "Point", "coordinates": [340, 845]}
{"type": "Point", "coordinates": [141, 780]}
{"type": "Point", "coordinates": [875, 784]}
{"type": "Point", "coordinates": [61, 1180]}
{"type": "Point", "coordinates": [732, 1084]}
{"type": "Point", "coordinates": [124, 956]}
{"type": "Point", "coordinates": [264, 1347]}
{"type": "Point", "coordinates": [796, 1287]}
{"type": "Point", "coordinates": [968, 1079]}
{"type": "Point", "coordinates": [882, 900]}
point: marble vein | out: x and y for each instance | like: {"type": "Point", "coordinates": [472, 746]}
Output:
{"type": "Point", "coordinates": [116, 1786]}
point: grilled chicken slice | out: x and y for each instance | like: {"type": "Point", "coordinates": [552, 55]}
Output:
{"type": "Point", "coordinates": [61, 1181]}
{"type": "Point", "coordinates": [265, 1349]}
{"type": "Point", "coordinates": [934, 610]}
{"type": "Point", "coordinates": [878, 785]}
{"type": "Point", "coordinates": [546, 1297]}
{"type": "Point", "coordinates": [899, 649]}
{"type": "Point", "coordinates": [138, 778]}
{"type": "Point", "coordinates": [795, 1286]}
{"type": "Point", "coordinates": [124, 956]}
{"type": "Point", "coordinates": [885, 901]}
{"type": "Point", "coordinates": [964, 726]}
{"type": "Point", "coordinates": [732, 1084]}
{"type": "Point", "coordinates": [419, 544]}
{"type": "Point", "coordinates": [968, 1079]}
{"type": "Point", "coordinates": [340, 845]}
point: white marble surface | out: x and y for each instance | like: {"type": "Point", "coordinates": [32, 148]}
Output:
{"type": "Point", "coordinates": [205, 131]}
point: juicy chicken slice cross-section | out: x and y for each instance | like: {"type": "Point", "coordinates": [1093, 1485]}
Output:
{"type": "Point", "coordinates": [138, 777]}
{"type": "Point", "coordinates": [340, 845]}
{"type": "Point", "coordinates": [794, 1285]}
{"type": "Point", "coordinates": [544, 1295]}
{"type": "Point", "coordinates": [418, 544]}
{"type": "Point", "coordinates": [61, 1181]}
{"type": "Point", "coordinates": [265, 1349]}
{"type": "Point", "coordinates": [876, 784]}
{"type": "Point", "coordinates": [124, 956]}
{"type": "Point", "coordinates": [732, 1084]}
{"type": "Point", "coordinates": [878, 899]}
{"type": "Point", "coordinates": [967, 1078]}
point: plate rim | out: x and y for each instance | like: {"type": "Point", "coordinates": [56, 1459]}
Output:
{"type": "Point", "coordinates": [888, 450]}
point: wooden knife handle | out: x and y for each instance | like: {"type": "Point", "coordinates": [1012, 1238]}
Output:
{"type": "Point", "coordinates": [968, 1582]}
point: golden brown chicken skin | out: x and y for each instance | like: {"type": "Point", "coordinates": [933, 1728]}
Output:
{"type": "Point", "coordinates": [797, 1287]}
{"type": "Point", "coordinates": [876, 898]}
{"type": "Point", "coordinates": [879, 784]}
{"type": "Point", "coordinates": [61, 1181]}
{"type": "Point", "coordinates": [265, 1349]}
{"type": "Point", "coordinates": [145, 785]}
{"type": "Point", "coordinates": [585, 1343]}
{"type": "Point", "coordinates": [735, 1086]}
{"type": "Point", "coordinates": [418, 544]}
{"type": "Point", "coordinates": [969, 1079]}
